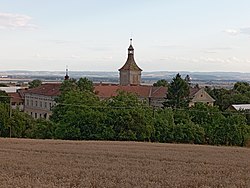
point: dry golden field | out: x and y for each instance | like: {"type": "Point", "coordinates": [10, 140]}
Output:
{"type": "Point", "coordinates": [54, 163]}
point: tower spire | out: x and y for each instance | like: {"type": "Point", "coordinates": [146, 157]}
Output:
{"type": "Point", "coordinates": [130, 73]}
{"type": "Point", "coordinates": [66, 77]}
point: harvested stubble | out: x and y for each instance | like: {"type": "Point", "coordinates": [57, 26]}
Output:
{"type": "Point", "coordinates": [54, 163]}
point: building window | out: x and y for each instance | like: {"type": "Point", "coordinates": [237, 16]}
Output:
{"type": "Point", "coordinates": [28, 102]}
{"type": "Point", "coordinates": [45, 104]}
{"type": "Point", "coordinates": [41, 104]}
{"type": "Point", "coordinates": [35, 115]}
{"type": "Point", "coordinates": [36, 103]}
{"type": "Point", "coordinates": [201, 95]}
{"type": "Point", "coordinates": [31, 102]}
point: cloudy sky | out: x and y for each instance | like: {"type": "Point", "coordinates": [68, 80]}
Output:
{"type": "Point", "coordinates": [168, 35]}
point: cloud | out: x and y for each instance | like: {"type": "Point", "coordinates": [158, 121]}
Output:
{"type": "Point", "coordinates": [16, 21]}
{"type": "Point", "coordinates": [232, 31]}
{"type": "Point", "coordinates": [73, 56]}
{"type": "Point", "coordinates": [244, 31]}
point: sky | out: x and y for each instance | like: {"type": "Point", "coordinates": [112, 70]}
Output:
{"type": "Point", "coordinates": [168, 35]}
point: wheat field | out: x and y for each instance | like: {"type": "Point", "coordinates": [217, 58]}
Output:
{"type": "Point", "coordinates": [55, 163]}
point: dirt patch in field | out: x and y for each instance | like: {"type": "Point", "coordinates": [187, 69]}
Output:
{"type": "Point", "coordinates": [54, 163]}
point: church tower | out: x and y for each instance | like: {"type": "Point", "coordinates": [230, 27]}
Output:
{"type": "Point", "coordinates": [130, 73]}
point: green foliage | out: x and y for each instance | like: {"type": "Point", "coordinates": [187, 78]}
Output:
{"type": "Point", "coordinates": [80, 115]}
{"type": "Point", "coordinates": [178, 93]}
{"type": "Point", "coordinates": [42, 129]}
{"type": "Point", "coordinates": [241, 87]}
{"type": "Point", "coordinates": [85, 85]}
{"type": "Point", "coordinates": [162, 82]}
{"type": "Point", "coordinates": [188, 133]}
{"type": "Point", "coordinates": [4, 98]}
{"type": "Point", "coordinates": [4, 120]}
{"type": "Point", "coordinates": [129, 117]}
{"type": "Point", "coordinates": [35, 83]}
{"type": "Point", "coordinates": [14, 123]}
{"type": "Point", "coordinates": [163, 125]}
{"type": "Point", "coordinates": [21, 124]}
{"type": "Point", "coordinates": [240, 94]}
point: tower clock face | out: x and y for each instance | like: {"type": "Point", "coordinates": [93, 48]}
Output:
{"type": "Point", "coordinates": [130, 51]}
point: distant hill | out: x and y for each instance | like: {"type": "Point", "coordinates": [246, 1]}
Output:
{"type": "Point", "coordinates": [202, 78]}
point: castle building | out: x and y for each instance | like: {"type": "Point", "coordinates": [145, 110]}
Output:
{"type": "Point", "coordinates": [40, 100]}
{"type": "Point", "coordinates": [130, 73]}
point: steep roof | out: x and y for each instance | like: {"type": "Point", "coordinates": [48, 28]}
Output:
{"type": "Point", "coordinates": [130, 64]}
{"type": "Point", "coordinates": [49, 89]}
{"type": "Point", "coordinates": [193, 91]}
{"type": "Point", "coordinates": [107, 91]}
{"type": "Point", "coordinates": [199, 95]}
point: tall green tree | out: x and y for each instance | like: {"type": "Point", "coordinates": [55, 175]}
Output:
{"type": "Point", "coordinates": [78, 112]}
{"type": "Point", "coordinates": [130, 118]}
{"type": "Point", "coordinates": [4, 120]}
{"type": "Point", "coordinates": [162, 82]}
{"type": "Point", "coordinates": [163, 122]}
{"type": "Point", "coordinates": [178, 93]}
{"type": "Point", "coordinates": [85, 84]}
{"type": "Point", "coordinates": [35, 83]}
{"type": "Point", "coordinates": [4, 98]}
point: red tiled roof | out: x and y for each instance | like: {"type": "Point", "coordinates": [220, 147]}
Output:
{"type": "Point", "coordinates": [15, 97]}
{"type": "Point", "coordinates": [49, 89]}
{"type": "Point", "coordinates": [107, 91]}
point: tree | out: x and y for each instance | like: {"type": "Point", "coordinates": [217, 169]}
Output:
{"type": "Point", "coordinates": [4, 120]}
{"type": "Point", "coordinates": [21, 124]}
{"type": "Point", "coordinates": [42, 129]}
{"type": "Point", "coordinates": [130, 117]}
{"type": "Point", "coordinates": [242, 87]}
{"type": "Point", "coordinates": [163, 125]}
{"type": "Point", "coordinates": [35, 83]}
{"type": "Point", "coordinates": [85, 84]}
{"type": "Point", "coordinates": [4, 98]}
{"type": "Point", "coordinates": [162, 82]}
{"type": "Point", "coordinates": [78, 113]}
{"type": "Point", "coordinates": [178, 93]}
{"type": "Point", "coordinates": [188, 79]}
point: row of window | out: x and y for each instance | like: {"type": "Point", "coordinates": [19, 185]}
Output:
{"type": "Point", "coordinates": [40, 104]}
{"type": "Point", "coordinates": [38, 98]}
{"type": "Point", "coordinates": [37, 115]}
